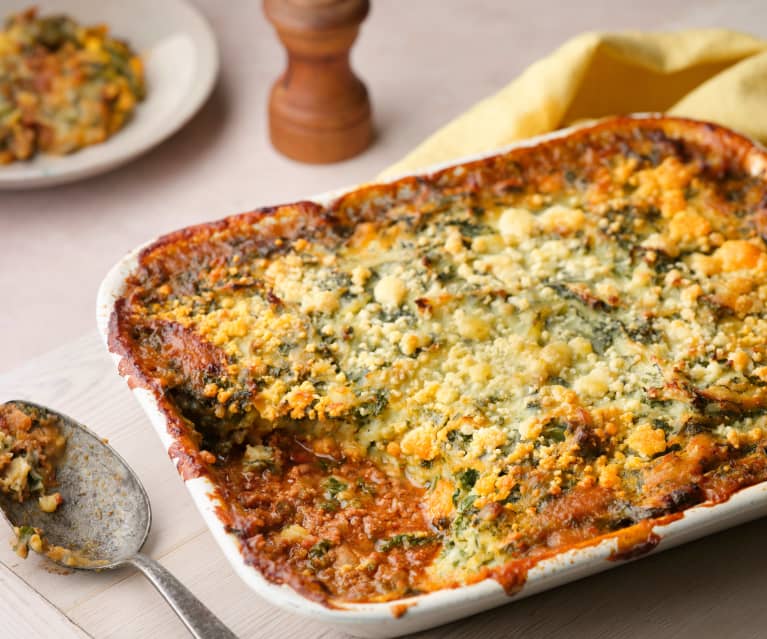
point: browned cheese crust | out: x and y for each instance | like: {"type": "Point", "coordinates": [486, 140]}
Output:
{"type": "Point", "coordinates": [453, 376]}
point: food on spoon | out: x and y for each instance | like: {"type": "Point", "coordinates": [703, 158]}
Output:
{"type": "Point", "coordinates": [31, 444]}
{"type": "Point", "coordinates": [28, 537]}
{"type": "Point", "coordinates": [63, 86]}
{"type": "Point", "coordinates": [31, 537]}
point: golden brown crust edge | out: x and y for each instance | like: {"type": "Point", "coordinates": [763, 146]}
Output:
{"type": "Point", "coordinates": [741, 150]}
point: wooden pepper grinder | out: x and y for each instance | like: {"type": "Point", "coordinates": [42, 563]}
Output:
{"type": "Point", "coordinates": [319, 109]}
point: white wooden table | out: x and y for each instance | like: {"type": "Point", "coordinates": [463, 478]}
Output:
{"type": "Point", "coordinates": [424, 63]}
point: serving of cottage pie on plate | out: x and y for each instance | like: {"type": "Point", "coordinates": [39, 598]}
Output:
{"type": "Point", "coordinates": [87, 85]}
{"type": "Point", "coordinates": [453, 377]}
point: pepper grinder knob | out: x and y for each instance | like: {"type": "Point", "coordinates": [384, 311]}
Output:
{"type": "Point", "coordinates": [319, 109]}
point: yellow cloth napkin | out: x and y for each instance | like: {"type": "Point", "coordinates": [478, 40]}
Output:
{"type": "Point", "coordinates": [709, 74]}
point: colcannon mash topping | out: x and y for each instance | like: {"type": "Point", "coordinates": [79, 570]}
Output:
{"type": "Point", "coordinates": [427, 381]}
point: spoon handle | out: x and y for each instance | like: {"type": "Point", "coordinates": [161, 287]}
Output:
{"type": "Point", "coordinates": [200, 621]}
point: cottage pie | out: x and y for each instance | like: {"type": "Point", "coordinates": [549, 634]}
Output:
{"type": "Point", "coordinates": [452, 376]}
{"type": "Point", "coordinates": [63, 86]}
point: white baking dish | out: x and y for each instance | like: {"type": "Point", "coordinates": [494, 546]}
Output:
{"type": "Point", "coordinates": [424, 611]}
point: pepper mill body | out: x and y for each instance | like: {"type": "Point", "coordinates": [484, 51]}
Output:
{"type": "Point", "coordinates": [319, 110]}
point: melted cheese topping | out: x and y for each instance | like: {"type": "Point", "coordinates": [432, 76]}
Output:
{"type": "Point", "coordinates": [502, 350]}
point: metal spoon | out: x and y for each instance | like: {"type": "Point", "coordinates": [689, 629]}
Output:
{"type": "Point", "coordinates": [105, 520]}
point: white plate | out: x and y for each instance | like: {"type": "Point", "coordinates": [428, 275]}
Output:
{"type": "Point", "coordinates": [181, 63]}
{"type": "Point", "coordinates": [442, 606]}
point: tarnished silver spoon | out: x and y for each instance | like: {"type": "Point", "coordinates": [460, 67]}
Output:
{"type": "Point", "coordinates": [105, 520]}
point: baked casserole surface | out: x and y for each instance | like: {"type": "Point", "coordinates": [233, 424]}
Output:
{"type": "Point", "coordinates": [453, 376]}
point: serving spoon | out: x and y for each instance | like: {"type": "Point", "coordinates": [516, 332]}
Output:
{"type": "Point", "coordinates": [105, 520]}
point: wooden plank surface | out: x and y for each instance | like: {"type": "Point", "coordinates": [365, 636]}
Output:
{"type": "Point", "coordinates": [25, 613]}
{"type": "Point", "coordinates": [711, 588]}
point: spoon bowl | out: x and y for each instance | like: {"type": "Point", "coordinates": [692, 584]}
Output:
{"type": "Point", "coordinates": [106, 515]}
{"type": "Point", "coordinates": [104, 519]}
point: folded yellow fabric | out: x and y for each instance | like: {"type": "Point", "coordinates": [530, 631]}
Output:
{"type": "Point", "coordinates": [709, 74]}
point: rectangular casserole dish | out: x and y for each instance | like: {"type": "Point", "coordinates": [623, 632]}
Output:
{"type": "Point", "coordinates": [441, 606]}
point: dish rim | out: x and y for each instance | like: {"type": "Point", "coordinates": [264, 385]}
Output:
{"type": "Point", "coordinates": [387, 619]}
